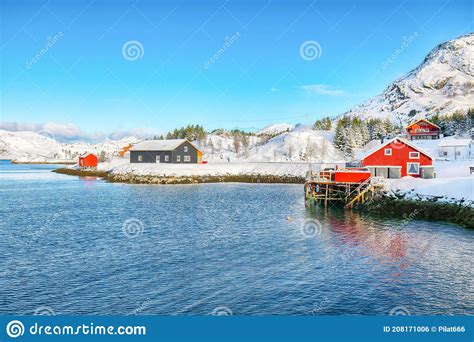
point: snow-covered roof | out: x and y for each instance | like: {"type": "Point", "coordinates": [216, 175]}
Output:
{"type": "Point", "coordinates": [403, 140]}
{"type": "Point", "coordinates": [424, 120]}
{"type": "Point", "coordinates": [158, 145]}
{"type": "Point", "coordinates": [453, 142]}
{"type": "Point", "coordinates": [86, 154]}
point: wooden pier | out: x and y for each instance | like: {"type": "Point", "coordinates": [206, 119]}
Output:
{"type": "Point", "coordinates": [325, 189]}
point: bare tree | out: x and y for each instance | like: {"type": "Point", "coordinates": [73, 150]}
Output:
{"type": "Point", "coordinates": [291, 150]}
{"type": "Point", "coordinates": [245, 144]}
{"type": "Point", "coordinates": [236, 141]}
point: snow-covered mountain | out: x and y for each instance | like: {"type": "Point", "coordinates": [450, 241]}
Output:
{"type": "Point", "coordinates": [32, 146]}
{"type": "Point", "coordinates": [442, 84]}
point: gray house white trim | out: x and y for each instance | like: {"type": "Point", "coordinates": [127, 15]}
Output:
{"type": "Point", "coordinates": [165, 151]}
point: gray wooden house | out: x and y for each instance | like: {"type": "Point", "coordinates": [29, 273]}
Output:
{"type": "Point", "coordinates": [174, 151]}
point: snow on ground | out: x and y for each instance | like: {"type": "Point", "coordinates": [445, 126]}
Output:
{"type": "Point", "coordinates": [302, 143]}
{"type": "Point", "coordinates": [275, 129]}
{"type": "Point", "coordinates": [122, 166]}
{"type": "Point", "coordinates": [453, 182]}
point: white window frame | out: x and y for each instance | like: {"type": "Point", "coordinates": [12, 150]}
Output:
{"type": "Point", "coordinates": [387, 152]}
{"type": "Point", "coordinates": [140, 158]}
{"type": "Point", "coordinates": [158, 159]}
{"type": "Point", "coordinates": [167, 158]}
{"type": "Point", "coordinates": [185, 148]}
{"type": "Point", "coordinates": [408, 168]}
{"type": "Point", "coordinates": [187, 159]}
{"type": "Point", "coordinates": [178, 159]}
{"type": "Point", "coordinates": [411, 157]}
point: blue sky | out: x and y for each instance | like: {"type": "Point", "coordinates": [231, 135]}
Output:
{"type": "Point", "coordinates": [259, 73]}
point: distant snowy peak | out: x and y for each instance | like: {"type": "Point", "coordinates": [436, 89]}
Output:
{"type": "Point", "coordinates": [442, 84]}
{"type": "Point", "coordinates": [275, 129]}
{"type": "Point", "coordinates": [33, 146]}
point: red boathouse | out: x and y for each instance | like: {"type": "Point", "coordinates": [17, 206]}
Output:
{"type": "Point", "coordinates": [88, 160]}
{"type": "Point", "coordinates": [399, 158]}
{"type": "Point", "coordinates": [423, 129]}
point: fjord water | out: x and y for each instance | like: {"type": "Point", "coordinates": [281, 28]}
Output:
{"type": "Point", "coordinates": [67, 246]}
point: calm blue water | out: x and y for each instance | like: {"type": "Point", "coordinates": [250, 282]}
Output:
{"type": "Point", "coordinates": [237, 247]}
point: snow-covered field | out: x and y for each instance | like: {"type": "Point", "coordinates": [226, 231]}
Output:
{"type": "Point", "coordinates": [122, 166]}
{"type": "Point", "coordinates": [453, 183]}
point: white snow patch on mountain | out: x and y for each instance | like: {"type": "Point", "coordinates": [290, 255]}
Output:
{"type": "Point", "coordinates": [275, 129]}
{"type": "Point", "coordinates": [442, 84]}
{"type": "Point", "coordinates": [27, 146]}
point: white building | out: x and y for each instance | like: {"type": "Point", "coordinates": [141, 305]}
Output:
{"type": "Point", "coordinates": [455, 149]}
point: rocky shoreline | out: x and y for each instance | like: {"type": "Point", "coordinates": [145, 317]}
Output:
{"type": "Point", "coordinates": [428, 209]}
{"type": "Point", "coordinates": [140, 179]}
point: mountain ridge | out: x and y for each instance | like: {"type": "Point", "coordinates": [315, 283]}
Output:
{"type": "Point", "coordinates": [442, 84]}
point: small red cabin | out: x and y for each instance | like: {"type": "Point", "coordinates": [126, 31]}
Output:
{"type": "Point", "coordinates": [351, 175]}
{"type": "Point", "coordinates": [423, 129]}
{"type": "Point", "coordinates": [88, 160]}
{"type": "Point", "coordinates": [399, 158]}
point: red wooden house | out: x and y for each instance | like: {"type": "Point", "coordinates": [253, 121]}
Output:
{"type": "Point", "coordinates": [88, 160]}
{"type": "Point", "coordinates": [399, 158]}
{"type": "Point", "coordinates": [423, 129]}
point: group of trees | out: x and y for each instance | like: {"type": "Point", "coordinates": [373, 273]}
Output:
{"type": "Point", "coordinates": [241, 141]}
{"type": "Point", "coordinates": [352, 133]}
{"type": "Point", "coordinates": [458, 123]}
{"type": "Point", "coordinates": [190, 132]}
{"type": "Point", "coordinates": [323, 124]}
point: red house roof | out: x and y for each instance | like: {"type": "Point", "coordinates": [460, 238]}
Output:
{"type": "Point", "coordinates": [424, 120]}
{"type": "Point", "coordinates": [394, 140]}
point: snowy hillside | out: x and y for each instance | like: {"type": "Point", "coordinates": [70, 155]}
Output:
{"type": "Point", "coordinates": [302, 143]}
{"type": "Point", "coordinates": [442, 84]}
{"type": "Point", "coordinates": [31, 146]}
{"type": "Point", "coordinates": [276, 129]}
{"type": "Point", "coordinates": [299, 144]}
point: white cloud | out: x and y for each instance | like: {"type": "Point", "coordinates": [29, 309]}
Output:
{"type": "Point", "coordinates": [323, 89]}
{"type": "Point", "coordinates": [70, 133]}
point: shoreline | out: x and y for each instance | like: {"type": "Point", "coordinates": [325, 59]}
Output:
{"type": "Point", "coordinates": [429, 209]}
{"type": "Point", "coordinates": [384, 204]}
{"type": "Point", "coordinates": [138, 179]}
{"type": "Point", "coordinates": [59, 162]}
